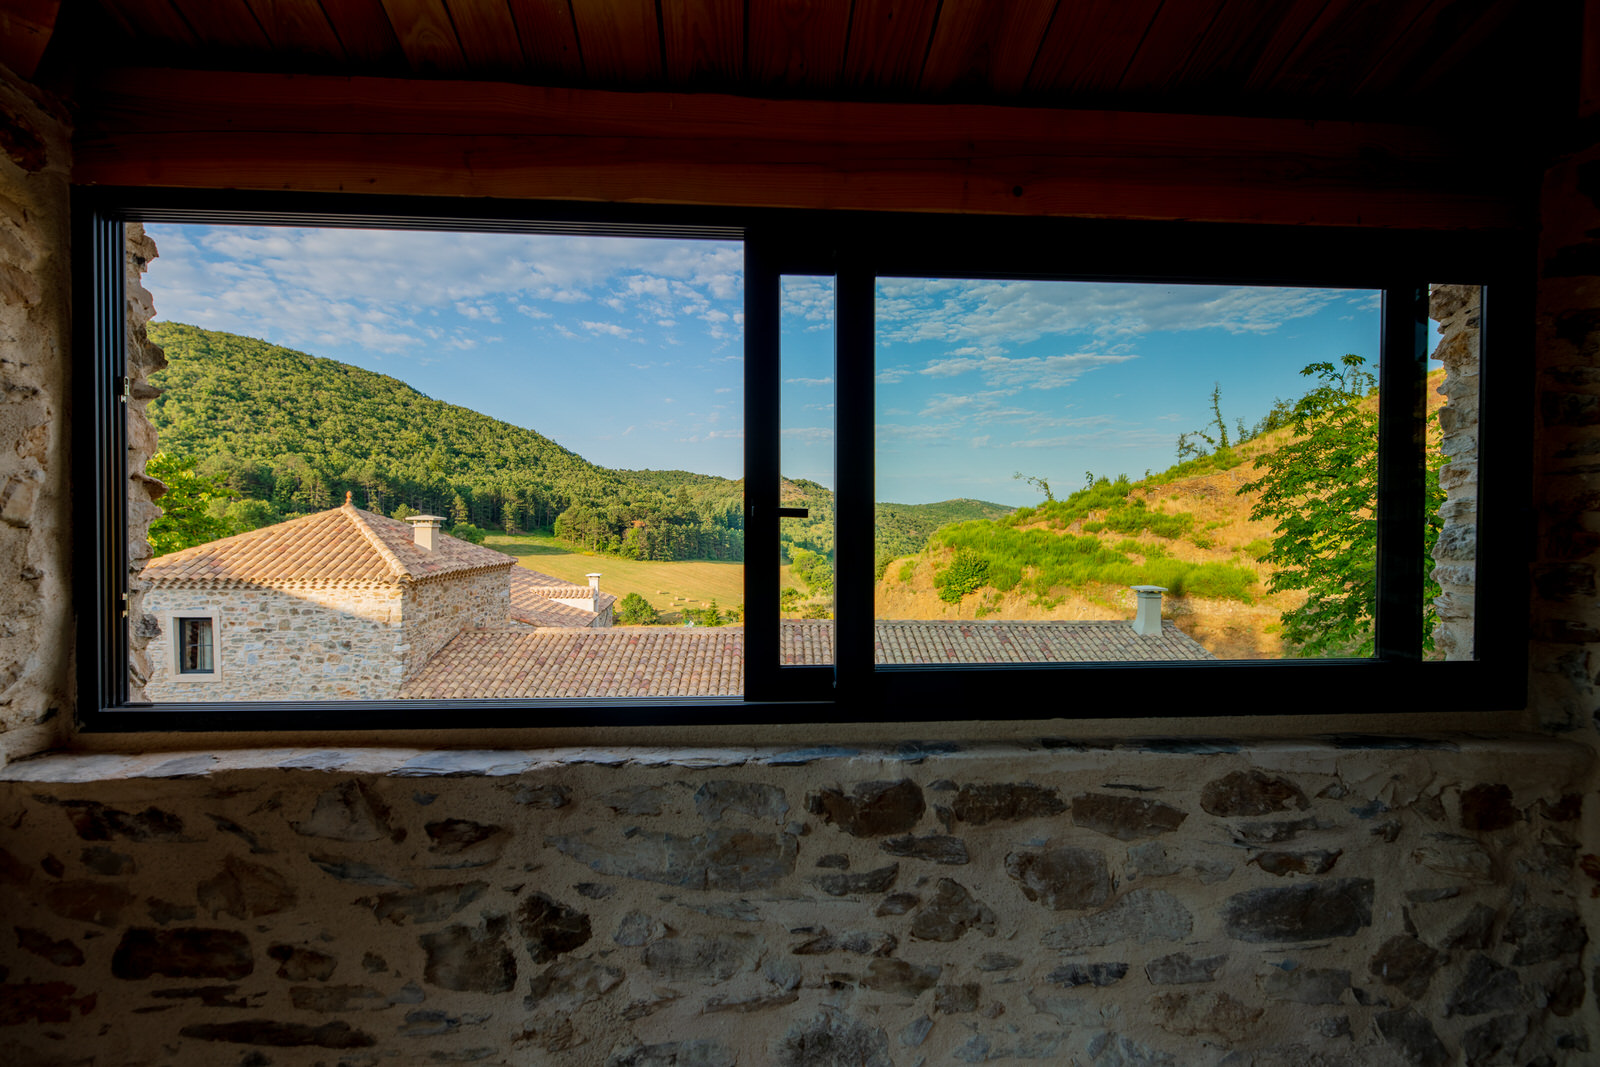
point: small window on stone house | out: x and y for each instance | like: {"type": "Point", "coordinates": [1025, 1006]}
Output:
{"type": "Point", "coordinates": [196, 646]}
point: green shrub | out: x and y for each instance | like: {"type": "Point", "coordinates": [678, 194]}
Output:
{"type": "Point", "coordinates": [966, 573]}
{"type": "Point", "coordinates": [635, 610]}
{"type": "Point", "coordinates": [465, 531]}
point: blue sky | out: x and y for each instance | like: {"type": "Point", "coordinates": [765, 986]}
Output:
{"type": "Point", "coordinates": [629, 351]}
{"type": "Point", "coordinates": [980, 380]}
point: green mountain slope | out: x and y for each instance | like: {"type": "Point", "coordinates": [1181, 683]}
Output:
{"type": "Point", "coordinates": [300, 431]}
{"type": "Point", "coordinates": [296, 432]}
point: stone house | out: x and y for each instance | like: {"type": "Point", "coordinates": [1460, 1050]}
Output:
{"type": "Point", "coordinates": [341, 604]}
{"type": "Point", "coordinates": [1398, 883]}
{"type": "Point", "coordinates": [344, 604]}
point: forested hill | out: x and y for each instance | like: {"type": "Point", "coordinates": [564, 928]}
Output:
{"type": "Point", "coordinates": [298, 431]}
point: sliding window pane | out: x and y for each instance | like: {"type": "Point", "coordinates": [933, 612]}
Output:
{"type": "Point", "coordinates": [427, 465]}
{"type": "Point", "coordinates": [1104, 472]}
{"type": "Point", "coordinates": [806, 462]}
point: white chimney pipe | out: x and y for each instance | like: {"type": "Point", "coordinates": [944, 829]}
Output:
{"type": "Point", "coordinates": [594, 591]}
{"type": "Point", "coordinates": [1147, 619]}
{"type": "Point", "coordinates": [425, 528]}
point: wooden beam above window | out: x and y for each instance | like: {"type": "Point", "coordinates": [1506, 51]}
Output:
{"type": "Point", "coordinates": [197, 129]}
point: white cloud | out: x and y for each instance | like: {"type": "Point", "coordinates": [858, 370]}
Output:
{"type": "Point", "coordinates": [609, 328]}
{"type": "Point", "coordinates": [982, 316]}
{"type": "Point", "coordinates": [298, 286]}
{"type": "Point", "coordinates": [808, 381]}
{"type": "Point", "coordinates": [1029, 372]}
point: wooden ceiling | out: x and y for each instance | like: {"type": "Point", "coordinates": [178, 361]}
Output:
{"type": "Point", "coordinates": [1400, 60]}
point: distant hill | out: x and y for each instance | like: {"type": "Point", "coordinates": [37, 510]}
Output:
{"type": "Point", "coordinates": [297, 431]}
{"type": "Point", "coordinates": [1187, 528]}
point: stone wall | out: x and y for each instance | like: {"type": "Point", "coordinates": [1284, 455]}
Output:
{"type": "Point", "coordinates": [144, 359]}
{"type": "Point", "coordinates": [435, 611]}
{"type": "Point", "coordinates": [1269, 905]}
{"type": "Point", "coordinates": [36, 684]}
{"type": "Point", "coordinates": [1455, 309]}
{"type": "Point", "coordinates": [1566, 615]}
{"type": "Point", "coordinates": [306, 644]}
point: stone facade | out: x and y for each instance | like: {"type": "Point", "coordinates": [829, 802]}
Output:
{"type": "Point", "coordinates": [1455, 309]}
{"type": "Point", "coordinates": [36, 685]}
{"type": "Point", "coordinates": [1266, 905]}
{"type": "Point", "coordinates": [144, 359]}
{"type": "Point", "coordinates": [283, 644]}
{"type": "Point", "coordinates": [317, 643]}
{"type": "Point", "coordinates": [435, 611]}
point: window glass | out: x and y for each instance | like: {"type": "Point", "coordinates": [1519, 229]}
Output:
{"type": "Point", "coordinates": [429, 465]}
{"type": "Point", "coordinates": [806, 463]}
{"type": "Point", "coordinates": [195, 646]}
{"type": "Point", "coordinates": [1085, 471]}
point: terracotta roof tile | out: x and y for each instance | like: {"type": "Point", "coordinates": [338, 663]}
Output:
{"type": "Point", "coordinates": [615, 662]}
{"type": "Point", "coordinates": [341, 546]}
{"type": "Point", "coordinates": [657, 661]}
{"type": "Point", "coordinates": [532, 600]}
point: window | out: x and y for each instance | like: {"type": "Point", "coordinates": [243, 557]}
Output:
{"type": "Point", "coordinates": [820, 541]}
{"type": "Point", "coordinates": [195, 646]}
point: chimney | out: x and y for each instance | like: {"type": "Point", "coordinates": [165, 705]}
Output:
{"type": "Point", "coordinates": [1147, 619]}
{"type": "Point", "coordinates": [425, 528]}
{"type": "Point", "coordinates": [594, 591]}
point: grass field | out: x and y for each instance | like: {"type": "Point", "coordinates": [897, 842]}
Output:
{"type": "Point", "coordinates": [670, 586]}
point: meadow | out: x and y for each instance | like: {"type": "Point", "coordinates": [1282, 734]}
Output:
{"type": "Point", "coordinates": [669, 585]}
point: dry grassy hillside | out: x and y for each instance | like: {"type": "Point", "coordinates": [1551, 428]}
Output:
{"type": "Point", "coordinates": [1222, 532]}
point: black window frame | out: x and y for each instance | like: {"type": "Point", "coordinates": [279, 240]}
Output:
{"type": "Point", "coordinates": [856, 249]}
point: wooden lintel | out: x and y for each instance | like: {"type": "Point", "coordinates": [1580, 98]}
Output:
{"type": "Point", "coordinates": [195, 129]}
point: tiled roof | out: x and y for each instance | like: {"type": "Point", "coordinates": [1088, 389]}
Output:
{"type": "Point", "coordinates": [535, 583]}
{"type": "Point", "coordinates": [709, 661]}
{"type": "Point", "coordinates": [908, 641]}
{"type": "Point", "coordinates": [531, 602]}
{"type": "Point", "coordinates": [617, 662]}
{"type": "Point", "coordinates": [341, 546]}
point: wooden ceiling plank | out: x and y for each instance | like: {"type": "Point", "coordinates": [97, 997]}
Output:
{"type": "Point", "coordinates": [228, 25]}
{"type": "Point", "coordinates": [797, 45]}
{"type": "Point", "coordinates": [1340, 50]}
{"type": "Point", "coordinates": [1174, 34]}
{"type": "Point", "coordinates": [1439, 32]}
{"type": "Point", "coordinates": [366, 33]}
{"type": "Point", "coordinates": [984, 46]}
{"type": "Point", "coordinates": [299, 28]}
{"type": "Point", "coordinates": [621, 41]}
{"type": "Point", "coordinates": [426, 36]}
{"type": "Point", "coordinates": [1300, 23]}
{"type": "Point", "coordinates": [405, 136]}
{"type": "Point", "coordinates": [1242, 31]}
{"type": "Point", "coordinates": [888, 43]}
{"type": "Point", "coordinates": [25, 29]}
{"type": "Point", "coordinates": [549, 42]}
{"type": "Point", "coordinates": [488, 36]}
{"type": "Point", "coordinates": [154, 21]}
{"type": "Point", "coordinates": [704, 41]}
{"type": "Point", "coordinates": [1089, 45]}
